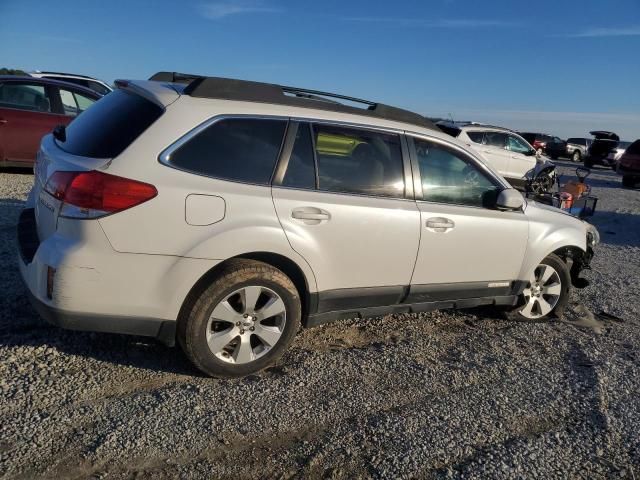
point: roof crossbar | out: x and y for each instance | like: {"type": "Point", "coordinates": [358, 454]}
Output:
{"type": "Point", "coordinates": [249, 91]}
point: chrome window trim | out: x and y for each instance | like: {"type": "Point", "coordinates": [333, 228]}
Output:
{"type": "Point", "coordinates": [350, 194]}
{"type": "Point", "coordinates": [165, 156]}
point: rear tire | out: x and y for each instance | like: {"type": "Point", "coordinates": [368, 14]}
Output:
{"type": "Point", "coordinates": [547, 293]}
{"type": "Point", "coordinates": [576, 156]}
{"type": "Point", "coordinates": [242, 322]}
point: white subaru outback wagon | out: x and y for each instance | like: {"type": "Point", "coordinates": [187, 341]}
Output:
{"type": "Point", "coordinates": [226, 214]}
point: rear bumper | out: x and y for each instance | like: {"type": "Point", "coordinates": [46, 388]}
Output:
{"type": "Point", "coordinates": [33, 272]}
{"type": "Point", "coordinates": [163, 330]}
{"type": "Point", "coordinates": [95, 288]}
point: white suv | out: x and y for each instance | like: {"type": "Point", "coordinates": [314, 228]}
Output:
{"type": "Point", "coordinates": [506, 151]}
{"type": "Point", "coordinates": [227, 213]}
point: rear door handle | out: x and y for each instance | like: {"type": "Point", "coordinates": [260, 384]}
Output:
{"type": "Point", "coordinates": [440, 224]}
{"type": "Point", "coordinates": [313, 214]}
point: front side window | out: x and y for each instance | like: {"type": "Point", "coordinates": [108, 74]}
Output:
{"type": "Point", "coordinates": [24, 96]}
{"type": "Point", "coordinates": [353, 160]}
{"type": "Point", "coordinates": [495, 139]}
{"type": "Point", "coordinates": [516, 145]}
{"type": "Point", "coordinates": [448, 176]}
{"type": "Point", "coordinates": [236, 149]}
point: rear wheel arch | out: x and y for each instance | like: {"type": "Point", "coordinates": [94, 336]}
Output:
{"type": "Point", "coordinates": [287, 266]}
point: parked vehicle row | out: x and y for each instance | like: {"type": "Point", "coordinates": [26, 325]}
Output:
{"type": "Point", "coordinates": [577, 148]}
{"type": "Point", "coordinates": [224, 225]}
{"type": "Point", "coordinates": [544, 143]}
{"type": "Point", "coordinates": [505, 150]}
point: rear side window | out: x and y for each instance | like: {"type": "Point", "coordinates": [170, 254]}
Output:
{"type": "Point", "coordinates": [110, 125]}
{"type": "Point", "coordinates": [237, 149]}
{"type": "Point", "coordinates": [352, 160]}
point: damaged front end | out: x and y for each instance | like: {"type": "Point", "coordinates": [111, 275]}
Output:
{"type": "Point", "coordinates": [579, 260]}
{"type": "Point", "coordinates": [541, 179]}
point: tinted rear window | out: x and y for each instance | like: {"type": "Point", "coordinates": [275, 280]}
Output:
{"type": "Point", "coordinates": [237, 149]}
{"type": "Point", "coordinates": [110, 125]}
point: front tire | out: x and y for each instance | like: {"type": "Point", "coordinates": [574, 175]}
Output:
{"type": "Point", "coordinates": [576, 156]}
{"type": "Point", "coordinates": [546, 293]}
{"type": "Point", "coordinates": [242, 322]}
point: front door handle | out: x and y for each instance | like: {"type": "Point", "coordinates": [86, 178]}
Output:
{"type": "Point", "coordinates": [311, 214]}
{"type": "Point", "coordinates": [440, 224]}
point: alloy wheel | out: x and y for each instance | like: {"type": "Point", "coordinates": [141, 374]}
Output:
{"type": "Point", "coordinates": [246, 324]}
{"type": "Point", "coordinates": [542, 292]}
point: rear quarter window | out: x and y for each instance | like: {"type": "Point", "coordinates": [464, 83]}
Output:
{"type": "Point", "coordinates": [236, 149]}
{"type": "Point", "coordinates": [110, 125]}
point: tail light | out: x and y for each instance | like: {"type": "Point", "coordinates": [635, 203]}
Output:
{"type": "Point", "coordinates": [95, 194]}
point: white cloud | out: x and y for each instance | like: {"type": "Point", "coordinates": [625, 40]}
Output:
{"type": "Point", "coordinates": [218, 10]}
{"type": "Point", "coordinates": [441, 23]}
{"type": "Point", "coordinates": [605, 32]}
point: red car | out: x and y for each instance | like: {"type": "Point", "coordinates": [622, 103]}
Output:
{"type": "Point", "coordinates": [629, 165]}
{"type": "Point", "coordinates": [30, 108]}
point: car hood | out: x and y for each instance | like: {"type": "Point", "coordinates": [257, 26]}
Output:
{"type": "Point", "coordinates": [558, 223]}
{"type": "Point", "coordinates": [532, 205]}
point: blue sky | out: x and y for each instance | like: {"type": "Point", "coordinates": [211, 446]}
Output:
{"type": "Point", "coordinates": [563, 67]}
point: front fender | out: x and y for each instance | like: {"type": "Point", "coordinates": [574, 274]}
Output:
{"type": "Point", "coordinates": [550, 230]}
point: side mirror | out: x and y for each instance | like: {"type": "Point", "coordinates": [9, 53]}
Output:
{"type": "Point", "coordinates": [509, 199]}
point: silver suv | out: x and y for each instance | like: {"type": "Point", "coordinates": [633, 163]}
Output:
{"type": "Point", "coordinates": [226, 214]}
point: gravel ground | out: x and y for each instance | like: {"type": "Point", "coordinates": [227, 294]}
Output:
{"type": "Point", "coordinates": [448, 394]}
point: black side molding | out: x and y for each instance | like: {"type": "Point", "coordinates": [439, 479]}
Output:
{"type": "Point", "coordinates": [320, 318]}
